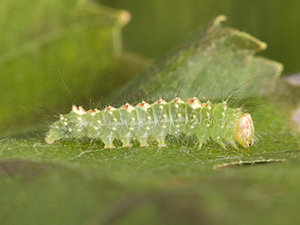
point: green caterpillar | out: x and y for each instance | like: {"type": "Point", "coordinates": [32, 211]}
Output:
{"type": "Point", "coordinates": [216, 122]}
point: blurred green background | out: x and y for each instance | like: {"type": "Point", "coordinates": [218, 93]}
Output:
{"type": "Point", "coordinates": [44, 40]}
{"type": "Point", "coordinates": [158, 25]}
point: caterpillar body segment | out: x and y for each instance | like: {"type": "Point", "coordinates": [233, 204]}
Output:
{"type": "Point", "coordinates": [208, 121]}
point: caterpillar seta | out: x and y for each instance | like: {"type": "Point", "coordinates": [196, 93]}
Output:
{"type": "Point", "coordinates": [217, 122]}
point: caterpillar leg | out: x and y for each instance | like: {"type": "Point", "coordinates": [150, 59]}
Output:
{"type": "Point", "coordinates": [162, 145]}
{"type": "Point", "coordinates": [161, 142]}
{"type": "Point", "coordinates": [144, 142]}
{"type": "Point", "coordinates": [201, 141]}
{"type": "Point", "coordinates": [126, 142]}
{"type": "Point", "coordinates": [108, 143]}
{"type": "Point", "coordinates": [126, 145]}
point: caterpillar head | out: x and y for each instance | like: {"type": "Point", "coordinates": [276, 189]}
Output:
{"type": "Point", "coordinates": [244, 132]}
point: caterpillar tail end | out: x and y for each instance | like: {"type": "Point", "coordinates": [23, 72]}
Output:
{"type": "Point", "coordinates": [244, 133]}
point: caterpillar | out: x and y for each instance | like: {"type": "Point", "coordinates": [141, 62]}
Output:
{"type": "Point", "coordinates": [217, 122]}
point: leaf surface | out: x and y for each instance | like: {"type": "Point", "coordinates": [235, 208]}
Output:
{"type": "Point", "coordinates": [80, 182]}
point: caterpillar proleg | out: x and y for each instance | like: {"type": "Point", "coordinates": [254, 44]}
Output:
{"type": "Point", "coordinates": [216, 122]}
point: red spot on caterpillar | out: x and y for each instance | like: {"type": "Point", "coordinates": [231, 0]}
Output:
{"type": "Point", "coordinates": [111, 108]}
{"type": "Point", "coordinates": [144, 105]}
{"type": "Point", "coordinates": [128, 107]}
{"type": "Point", "coordinates": [178, 100]}
{"type": "Point", "coordinates": [79, 110]}
{"type": "Point", "coordinates": [194, 102]}
{"type": "Point", "coordinates": [161, 101]}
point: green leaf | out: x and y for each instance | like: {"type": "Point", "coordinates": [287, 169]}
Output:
{"type": "Point", "coordinates": [80, 182]}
